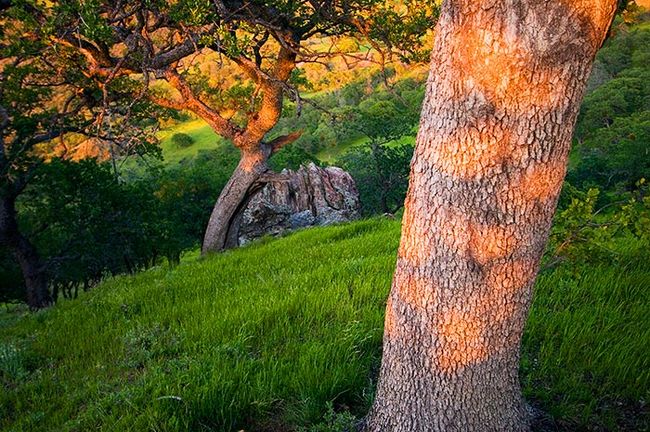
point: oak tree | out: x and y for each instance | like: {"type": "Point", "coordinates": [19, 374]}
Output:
{"type": "Point", "coordinates": [230, 62]}
{"type": "Point", "coordinates": [505, 85]}
{"type": "Point", "coordinates": [43, 99]}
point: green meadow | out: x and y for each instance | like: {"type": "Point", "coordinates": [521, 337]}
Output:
{"type": "Point", "coordinates": [285, 335]}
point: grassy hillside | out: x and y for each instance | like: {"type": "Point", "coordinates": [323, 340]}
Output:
{"type": "Point", "coordinates": [266, 337]}
{"type": "Point", "coordinates": [202, 134]}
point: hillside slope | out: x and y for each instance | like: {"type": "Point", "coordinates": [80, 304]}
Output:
{"type": "Point", "coordinates": [264, 337]}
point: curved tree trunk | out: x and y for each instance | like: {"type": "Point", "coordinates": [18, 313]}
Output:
{"type": "Point", "coordinates": [26, 254]}
{"type": "Point", "coordinates": [505, 84]}
{"type": "Point", "coordinates": [221, 230]}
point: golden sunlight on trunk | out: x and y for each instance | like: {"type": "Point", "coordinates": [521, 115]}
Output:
{"type": "Point", "coordinates": [505, 85]}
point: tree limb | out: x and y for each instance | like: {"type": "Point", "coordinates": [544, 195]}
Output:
{"type": "Point", "coordinates": [277, 143]}
{"type": "Point", "coordinates": [192, 103]}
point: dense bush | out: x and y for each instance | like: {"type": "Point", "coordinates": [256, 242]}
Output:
{"type": "Point", "coordinates": [291, 157]}
{"type": "Point", "coordinates": [182, 140]}
{"type": "Point", "coordinates": [186, 193]}
{"type": "Point", "coordinates": [86, 223]}
{"type": "Point", "coordinates": [381, 174]}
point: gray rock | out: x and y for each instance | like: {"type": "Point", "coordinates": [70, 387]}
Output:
{"type": "Point", "coordinates": [296, 199]}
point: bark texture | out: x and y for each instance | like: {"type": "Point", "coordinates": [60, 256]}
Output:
{"type": "Point", "coordinates": [26, 255]}
{"type": "Point", "coordinates": [221, 232]}
{"type": "Point", "coordinates": [233, 198]}
{"type": "Point", "coordinates": [505, 85]}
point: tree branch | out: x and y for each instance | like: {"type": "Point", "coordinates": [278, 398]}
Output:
{"type": "Point", "coordinates": [192, 103]}
{"type": "Point", "coordinates": [277, 143]}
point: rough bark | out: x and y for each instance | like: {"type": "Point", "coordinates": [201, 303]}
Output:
{"type": "Point", "coordinates": [233, 196]}
{"type": "Point", "coordinates": [25, 253]}
{"type": "Point", "coordinates": [505, 84]}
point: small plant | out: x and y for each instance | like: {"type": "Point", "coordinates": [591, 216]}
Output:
{"type": "Point", "coordinates": [11, 363]}
{"type": "Point", "coordinates": [182, 140]}
{"type": "Point", "coordinates": [334, 422]}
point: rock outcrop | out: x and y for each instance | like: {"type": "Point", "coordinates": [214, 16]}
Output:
{"type": "Point", "coordinates": [294, 199]}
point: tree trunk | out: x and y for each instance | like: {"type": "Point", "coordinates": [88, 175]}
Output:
{"type": "Point", "coordinates": [505, 84]}
{"type": "Point", "coordinates": [25, 253]}
{"type": "Point", "coordinates": [221, 231]}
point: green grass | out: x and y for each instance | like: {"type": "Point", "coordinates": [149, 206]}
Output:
{"type": "Point", "coordinates": [266, 337]}
{"type": "Point", "coordinates": [331, 154]}
{"type": "Point", "coordinates": [204, 139]}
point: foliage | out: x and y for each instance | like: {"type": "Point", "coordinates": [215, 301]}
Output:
{"type": "Point", "coordinates": [333, 421]}
{"type": "Point", "coordinates": [616, 156]}
{"type": "Point", "coordinates": [258, 49]}
{"type": "Point", "coordinates": [390, 27]}
{"type": "Point", "coordinates": [194, 347]}
{"type": "Point", "coordinates": [291, 157]}
{"type": "Point", "coordinates": [360, 109]}
{"type": "Point", "coordinates": [86, 224]}
{"type": "Point", "coordinates": [182, 140]}
{"type": "Point", "coordinates": [383, 120]}
{"type": "Point", "coordinates": [381, 167]}
{"type": "Point", "coordinates": [381, 174]}
{"type": "Point", "coordinates": [583, 232]}
{"type": "Point", "coordinates": [185, 194]}
{"type": "Point", "coordinates": [44, 97]}
{"type": "Point", "coordinates": [613, 127]}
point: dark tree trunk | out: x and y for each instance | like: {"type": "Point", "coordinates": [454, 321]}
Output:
{"type": "Point", "coordinates": [505, 85]}
{"type": "Point", "coordinates": [25, 253]}
{"type": "Point", "coordinates": [222, 228]}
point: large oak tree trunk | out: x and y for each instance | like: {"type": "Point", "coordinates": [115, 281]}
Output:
{"type": "Point", "coordinates": [505, 84]}
{"type": "Point", "coordinates": [222, 227]}
{"type": "Point", "coordinates": [30, 262]}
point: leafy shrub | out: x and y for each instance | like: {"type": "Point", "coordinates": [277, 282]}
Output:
{"type": "Point", "coordinates": [291, 157]}
{"type": "Point", "coordinates": [334, 422]}
{"type": "Point", "coordinates": [615, 157]}
{"type": "Point", "coordinates": [584, 232]}
{"type": "Point", "coordinates": [182, 140]}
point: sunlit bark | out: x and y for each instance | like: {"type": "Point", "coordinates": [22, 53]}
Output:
{"type": "Point", "coordinates": [254, 151]}
{"type": "Point", "coordinates": [505, 84]}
